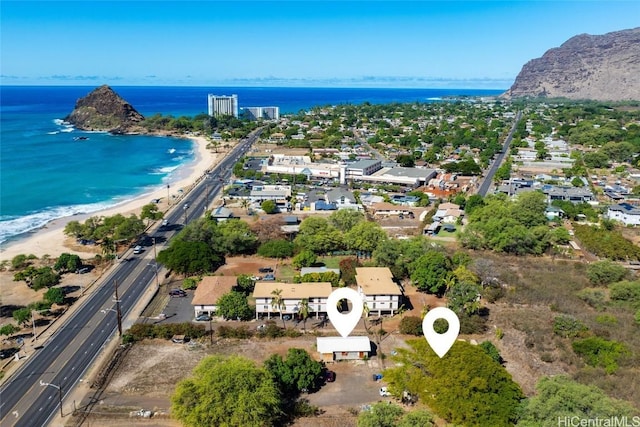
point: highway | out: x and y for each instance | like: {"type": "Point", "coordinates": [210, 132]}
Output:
{"type": "Point", "coordinates": [31, 397]}
{"type": "Point", "coordinates": [488, 179]}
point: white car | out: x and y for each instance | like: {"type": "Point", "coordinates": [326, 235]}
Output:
{"type": "Point", "coordinates": [384, 392]}
{"type": "Point", "coordinates": [137, 249]}
{"type": "Point", "coordinates": [165, 223]}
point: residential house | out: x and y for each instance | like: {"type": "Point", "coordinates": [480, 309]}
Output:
{"type": "Point", "coordinates": [339, 348]}
{"type": "Point", "coordinates": [448, 212]}
{"type": "Point", "coordinates": [291, 294]}
{"type": "Point", "coordinates": [626, 213]}
{"type": "Point", "coordinates": [342, 198]}
{"type": "Point", "coordinates": [209, 291]}
{"type": "Point", "coordinates": [571, 194]}
{"type": "Point", "coordinates": [388, 209]}
{"type": "Point", "coordinates": [378, 289]}
{"type": "Point", "coordinates": [221, 213]}
{"type": "Point", "coordinates": [553, 212]}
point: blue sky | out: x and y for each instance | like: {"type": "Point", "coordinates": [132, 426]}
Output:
{"type": "Point", "coordinates": [428, 44]}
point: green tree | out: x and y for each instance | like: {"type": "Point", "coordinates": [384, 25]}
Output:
{"type": "Point", "coordinates": [278, 304]}
{"type": "Point", "coordinates": [190, 258]}
{"type": "Point", "coordinates": [54, 296]}
{"type": "Point", "coordinates": [492, 351]}
{"type": "Point", "coordinates": [22, 315]}
{"type": "Point", "coordinates": [345, 219]}
{"type": "Point", "coordinates": [269, 207]}
{"type": "Point", "coordinates": [365, 237]}
{"type": "Point", "coordinates": [234, 305]}
{"type": "Point", "coordinates": [418, 417]}
{"type": "Point", "coordinates": [464, 298]}
{"type": "Point", "coordinates": [466, 387]}
{"type": "Point", "coordinates": [235, 237]}
{"type": "Point", "coordinates": [245, 283]}
{"type": "Point", "coordinates": [305, 258]}
{"type": "Point", "coordinates": [45, 278]}
{"type": "Point", "coordinates": [227, 392]}
{"type": "Point", "coordinates": [297, 372]}
{"type": "Point", "coordinates": [381, 414]}
{"type": "Point", "coordinates": [279, 248]}
{"type": "Point", "coordinates": [411, 325]}
{"type": "Point", "coordinates": [9, 329]}
{"type": "Point", "coordinates": [430, 271]}
{"type": "Point", "coordinates": [67, 262]}
{"type": "Point", "coordinates": [150, 211]}
{"type": "Point", "coordinates": [560, 396]}
{"type": "Point", "coordinates": [303, 312]}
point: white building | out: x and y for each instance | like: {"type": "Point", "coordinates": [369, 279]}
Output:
{"type": "Point", "coordinates": [625, 213]}
{"type": "Point", "coordinates": [223, 105]}
{"type": "Point", "coordinates": [378, 290]}
{"type": "Point", "coordinates": [339, 348]}
{"type": "Point", "coordinates": [291, 294]}
{"type": "Point", "coordinates": [209, 291]}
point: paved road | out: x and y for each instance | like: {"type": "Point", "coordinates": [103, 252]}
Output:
{"type": "Point", "coordinates": [65, 357]}
{"type": "Point", "coordinates": [488, 180]}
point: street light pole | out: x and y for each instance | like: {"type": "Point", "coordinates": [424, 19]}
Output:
{"type": "Point", "coordinates": [185, 208]}
{"type": "Point", "coordinates": [155, 261]}
{"type": "Point", "coordinates": [43, 384]}
{"type": "Point", "coordinates": [168, 196]}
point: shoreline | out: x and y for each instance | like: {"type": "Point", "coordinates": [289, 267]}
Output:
{"type": "Point", "coordinates": [50, 238]}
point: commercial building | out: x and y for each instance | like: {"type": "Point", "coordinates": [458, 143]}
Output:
{"type": "Point", "coordinates": [223, 105]}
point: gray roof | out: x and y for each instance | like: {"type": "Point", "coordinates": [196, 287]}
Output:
{"type": "Point", "coordinates": [336, 193]}
{"type": "Point", "coordinates": [411, 172]}
{"type": "Point", "coordinates": [362, 164]}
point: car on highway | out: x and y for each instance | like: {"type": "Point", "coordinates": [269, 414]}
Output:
{"type": "Point", "coordinates": [138, 249]}
{"type": "Point", "coordinates": [165, 223]}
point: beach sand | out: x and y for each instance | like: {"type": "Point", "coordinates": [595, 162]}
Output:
{"type": "Point", "coordinates": [50, 240]}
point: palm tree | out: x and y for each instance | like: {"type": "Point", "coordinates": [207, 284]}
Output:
{"type": "Point", "coordinates": [277, 303]}
{"type": "Point", "coordinates": [245, 204]}
{"type": "Point", "coordinates": [303, 311]}
{"type": "Point", "coordinates": [108, 247]}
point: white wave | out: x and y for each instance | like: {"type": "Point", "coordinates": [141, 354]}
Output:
{"type": "Point", "coordinates": [434, 98]}
{"type": "Point", "coordinates": [171, 150]}
{"type": "Point", "coordinates": [16, 226]}
{"type": "Point", "coordinates": [55, 132]}
{"type": "Point", "coordinates": [164, 170]}
{"type": "Point", "coordinates": [179, 158]}
{"type": "Point", "coordinates": [67, 129]}
{"type": "Point", "coordinates": [59, 122]}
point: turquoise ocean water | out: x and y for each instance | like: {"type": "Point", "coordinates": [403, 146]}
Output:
{"type": "Point", "coordinates": [46, 173]}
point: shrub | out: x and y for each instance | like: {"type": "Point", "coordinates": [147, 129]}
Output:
{"type": "Point", "coordinates": [607, 319]}
{"type": "Point", "coordinates": [593, 297]}
{"type": "Point", "coordinates": [141, 331]}
{"type": "Point", "coordinates": [241, 332]}
{"type": "Point", "coordinates": [599, 352]}
{"type": "Point", "coordinates": [625, 291]}
{"type": "Point", "coordinates": [637, 317]}
{"type": "Point", "coordinates": [492, 351]}
{"type": "Point", "coordinates": [568, 326]}
{"type": "Point", "coordinates": [190, 283]}
{"type": "Point", "coordinates": [493, 292]}
{"type": "Point", "coordinates": [411, 325]}
{"type": "Point", "coordinates": [474, 324]}
{"type": "Point", "coordinates": [605, 272]}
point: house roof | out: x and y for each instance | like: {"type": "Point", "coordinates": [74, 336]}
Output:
{"type": "Point", "coordinates": [211, 288]}
{"type": "Point", "coordinates": [376, 281]}
{"type": "Point", "coordinates": [292, 291]}
{"type": "Point", "coordinates": [626, 208]}
{"type": "Point", "coordinates": [445, 206]}
{"type": "Point", "coordinates": [323, 269]}
{"type": "Point", "coordinates": [333, 344]}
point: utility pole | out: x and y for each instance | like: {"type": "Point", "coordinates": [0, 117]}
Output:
{"type": "Point", "coordinates": [118, 313]}
{"type": "Point", "coordinates": [168, 196]}
{"type": "Point", "coordinates": [155, 260]}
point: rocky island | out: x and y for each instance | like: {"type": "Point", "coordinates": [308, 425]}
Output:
{"type": "Point", "coordinates": [585, 67]}
{"type": "Point", "coordinates": [104, 110]}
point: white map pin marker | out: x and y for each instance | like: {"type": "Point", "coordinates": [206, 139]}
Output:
{"type": "Point", "coordinates": [344, 322]}
{"type": "Point", "coordinates": [441, 343]}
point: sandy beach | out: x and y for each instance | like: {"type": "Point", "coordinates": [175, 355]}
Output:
{"type": "Point", "coordinates": [50, 240]}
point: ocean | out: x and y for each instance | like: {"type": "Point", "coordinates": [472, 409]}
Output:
{"type": "Point", "coordinates": [47, 173]}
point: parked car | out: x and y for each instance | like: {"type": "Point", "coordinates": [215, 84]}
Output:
{"type": "Point", "coordinates": [384, 392]}
{"type": "Point", "coordinates": [177, 293]}
{"type": "Point", "coordinates": [203, 318]}
{"type": "Point", "coordinates": [269, 276]}
{"type": "Point", "coordinates": [329, 376]}
{"type": "Point", "coordinates": [82, 270]}
{"type": "Point", "coordinates": [265, 270]}
{"type": "Point", "coordinates": [286, 317]}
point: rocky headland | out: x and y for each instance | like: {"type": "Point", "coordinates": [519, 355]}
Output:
{"type": "Point", "coordinates": [585, 67]}
{"type": "Point", "coordinates": [104, 110]}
